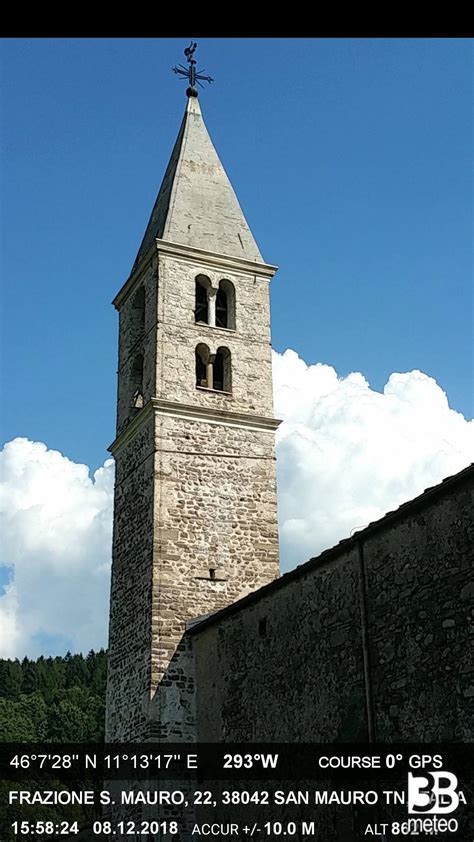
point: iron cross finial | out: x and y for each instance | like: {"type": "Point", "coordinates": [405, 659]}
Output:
{"type": "Point", "coordinates": [194, 76]}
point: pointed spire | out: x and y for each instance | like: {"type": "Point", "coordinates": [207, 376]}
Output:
{"type": "Point", "coordinates": [196, 204]}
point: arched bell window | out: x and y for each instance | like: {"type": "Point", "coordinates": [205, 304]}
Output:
{"type": "Point", "coordinates": [201, 308]}
{"type": "Point", "coordinates": [222, 371]}
{"type": "Point", "coordinates": [225, 305]}
{"type": "Point", "coordinates": [203, 367]}
{"type": "Point", "coordinates": [137, 382]}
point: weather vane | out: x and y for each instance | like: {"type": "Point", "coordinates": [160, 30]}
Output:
{"type": "Point", "coordinates": [194, 76]}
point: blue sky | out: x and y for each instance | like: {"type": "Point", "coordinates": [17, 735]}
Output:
{"type": "Point", "coordinates": [352, 161]}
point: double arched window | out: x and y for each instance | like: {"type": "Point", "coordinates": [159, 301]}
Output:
{"type": "Point", "coordinates": [213, 371]}
{"type": "Point", "coordinates": [214, 307]}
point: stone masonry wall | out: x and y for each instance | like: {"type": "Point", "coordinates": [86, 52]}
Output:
{"type": "Point", "coordinates": [129, 659]}
{"type": "Point", "coordinates": [421, 608]}
{"type": "Point", "coordinates": [215, 516]}
{"type": "Point", "coordinates": [287, 663]}
{"type": "Point", "coordinates": [288, 666]}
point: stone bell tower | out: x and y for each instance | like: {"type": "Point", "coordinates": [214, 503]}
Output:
{"type": "Point", "coordinates": [195, 521]}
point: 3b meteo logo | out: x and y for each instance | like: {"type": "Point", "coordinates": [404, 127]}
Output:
{"type": "Point", "coordinates": [432, 792]}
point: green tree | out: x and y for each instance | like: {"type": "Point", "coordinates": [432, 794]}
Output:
{"type": "Point", "coordinates": [10, 679]}
{"type": "Point", "coordinates": [16, 724]}
{"type": "Point", "coordinates": [53, 699]}
{"type": "Point", "coordinates": [77, 673]}
{"type": "Point", "coordinates": [29, 676]}
{"type": "Point", "coordinates": [67, 723]}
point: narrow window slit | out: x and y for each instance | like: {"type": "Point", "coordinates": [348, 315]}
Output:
{"type": "Point", "coordinates": [137, 382]}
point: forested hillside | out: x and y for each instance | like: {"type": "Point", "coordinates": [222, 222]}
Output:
{"type": "Point", "coordinates": [53, 699]}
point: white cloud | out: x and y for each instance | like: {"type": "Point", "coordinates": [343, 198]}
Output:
{"type": "Point", "coordinates": [10, 637]}
{"type": "Point", "coordinates": [56, 527]}
{"type": "Point", "coordinates": [345, 455]}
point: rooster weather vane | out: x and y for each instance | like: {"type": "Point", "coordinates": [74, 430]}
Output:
{"type": "Point", "coordinates": [194, 76]}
